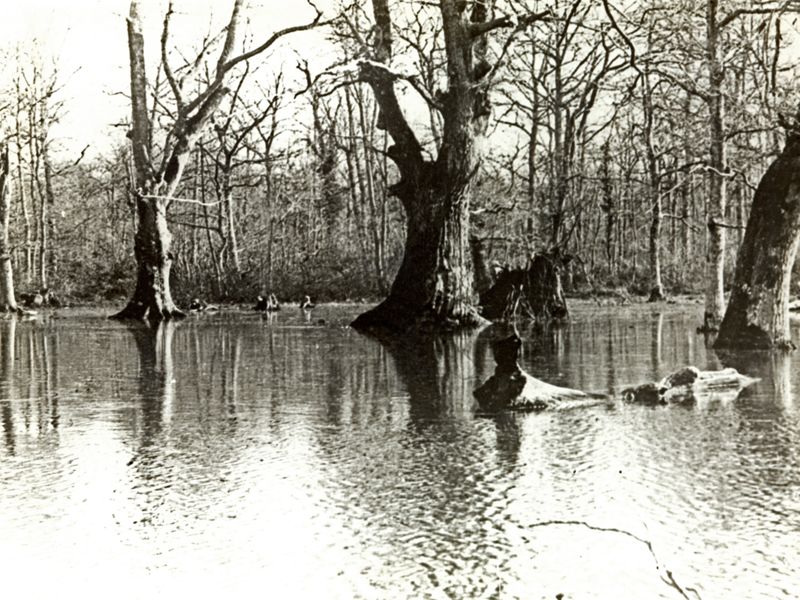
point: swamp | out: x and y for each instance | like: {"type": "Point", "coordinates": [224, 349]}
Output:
{"type": "Point", "coordinates": [313, 461]}
{"type": "Point", "coordinates": [400, 299]}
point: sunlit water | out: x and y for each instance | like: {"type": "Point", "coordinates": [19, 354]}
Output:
{"type": "Point", "coordinates": [289, 458]}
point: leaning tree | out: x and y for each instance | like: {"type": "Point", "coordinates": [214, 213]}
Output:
{"type": "Point", "coordinates": [758, 311]}
{"type": "Point", "coordinates": [156, 181]}
{"type": "Point", "coordinates": [434, 285]}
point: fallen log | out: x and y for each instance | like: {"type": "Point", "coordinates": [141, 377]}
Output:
{"type": "Point", "coordinates": [690, 384]}
{"type": "Point", "coordinates": [794, 305]}
{"type": "Point", "coordinates": [512, 388]}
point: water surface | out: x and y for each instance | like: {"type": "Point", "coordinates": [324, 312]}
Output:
{"type": "Point", "coordinates": [287, 457]}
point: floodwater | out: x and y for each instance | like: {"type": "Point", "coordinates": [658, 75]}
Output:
{"type": "Point", "coordinates": [289, 458]}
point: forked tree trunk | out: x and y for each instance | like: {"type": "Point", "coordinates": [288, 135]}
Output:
{"type": "Point", "coordinates": [151, 298]}
{"type": "Point", "coordinates": [154, 187]}
{"type": "Point", "coordinates": [7, 300]}
{"type": "Point", "coordinates": [758, 312]}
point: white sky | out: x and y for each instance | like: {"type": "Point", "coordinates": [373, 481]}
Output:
{"type": "Point", "coordinates": [88, 39]}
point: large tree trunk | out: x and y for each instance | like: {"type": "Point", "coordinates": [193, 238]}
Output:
{"type": "Point", "coordinates": [152, 298]}
{"type": "Point", "coordinates": [434, 285]}
{"type": "Point", "coordinates": [758, 313]}
{"type": "Point", "coordinates": [7, 299]}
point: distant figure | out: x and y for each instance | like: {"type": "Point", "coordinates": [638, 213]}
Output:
{"type": "Point", "coordinates": [35, 300]}
{"type": "Point", "coordinates": [197, 305]}
{"type": "Point", "coordinates": [306, 304]}
{"type": "Point", "coordinates": [261, 304]}
{"type": "Point", "coordinates": [273, 304]}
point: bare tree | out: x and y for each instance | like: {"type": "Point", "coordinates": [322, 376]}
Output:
{"type": "Point", "coordinates": [435, 282]}
{"type": "Point", "coordinates": [155, 184]}
{"type": "Point", "coordinates": [7, 299]}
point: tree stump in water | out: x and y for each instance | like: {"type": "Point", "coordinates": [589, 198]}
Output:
{"type": "Point", "coordinates": [690, 384]}
{"type": "Point", "coordinates": [512, 388]}
{"type": "Point", "coordinates": [533, 292]}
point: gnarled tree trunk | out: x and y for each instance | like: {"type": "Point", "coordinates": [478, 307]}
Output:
{"type": "Point", "coordinates": [152, 297]}
{"type": "Point", "coordinates": [758, 310]}
{"type": "Point", "coordinates": [434, 286]}
{"type": "Point", "coordinates": [534, 292]}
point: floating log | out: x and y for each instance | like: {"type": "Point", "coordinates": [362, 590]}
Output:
{"type": "Point", "coordinates": [690, 384]}
{"type": "Point", "coordinates": [512, 388]}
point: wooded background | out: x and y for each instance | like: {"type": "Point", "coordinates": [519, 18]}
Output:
{"type": "Point", "coordinates": [619, 134]}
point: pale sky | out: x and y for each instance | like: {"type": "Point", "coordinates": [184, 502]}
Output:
{"type": "Point", "coordinates": [88, 39]}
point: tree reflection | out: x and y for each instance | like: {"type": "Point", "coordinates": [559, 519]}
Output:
{"type": "Point", "coordinates": [156, 375]}
{"type": "Point", "coordinates": [657, 345]}
{"type": "Point", "coordinates": [8, 335]}
{"type": "Point", "coordinates": [773, 368]}
{"type": "Point", "coordinates": [438, 372]}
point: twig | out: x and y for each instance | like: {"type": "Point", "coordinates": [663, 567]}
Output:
{"type": "Point", "coordinates": [668, 578]}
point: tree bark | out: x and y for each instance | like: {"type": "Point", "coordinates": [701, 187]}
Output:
{"type": "Point", "coordinates": [152, 298]}
{"type": "Point", "coordinates": [654, 180]}
{"type": "Point", "coordinates": [758, 313]}
{"type": "Point", "coordinates": [7, 299]}
{"type": "Point", "coordinates": [434, 285]}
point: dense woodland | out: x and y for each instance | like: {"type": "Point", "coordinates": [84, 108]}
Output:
{"type": "Point", "coordinates": [630, 137]}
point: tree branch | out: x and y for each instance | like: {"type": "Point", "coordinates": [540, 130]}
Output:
{"type": "Point", "coordinates": [516, 22]}
{"type": "Point", "coordinates": [173, 84]}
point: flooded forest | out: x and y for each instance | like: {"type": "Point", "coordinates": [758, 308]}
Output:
{"type": "Point", "coordinates": [400, 298]}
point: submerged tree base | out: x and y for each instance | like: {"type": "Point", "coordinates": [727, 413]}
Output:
{"type": "Point", "coordinates": [394, 317]}
{"type": "Point", "coordinates": [138, 311]}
